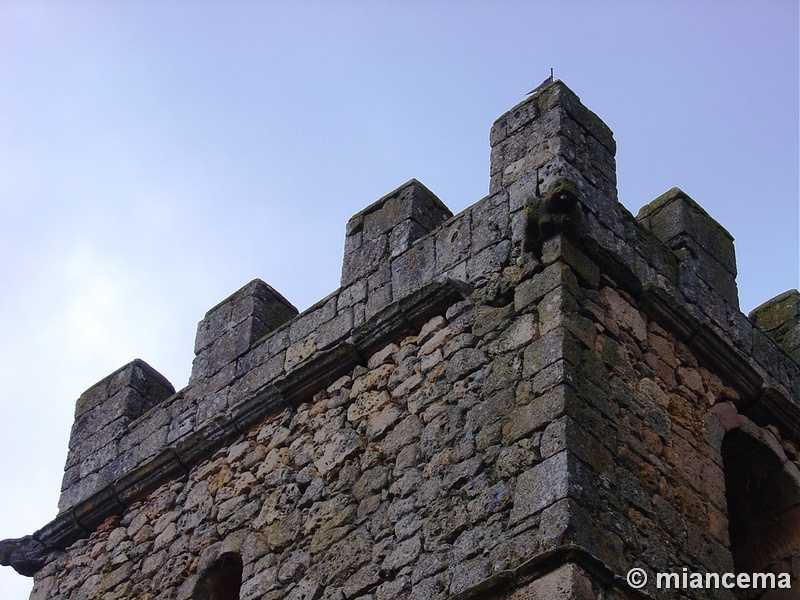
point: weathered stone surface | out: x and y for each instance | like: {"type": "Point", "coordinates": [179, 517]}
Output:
{"type": "Point", "coordinates": [560, 476]}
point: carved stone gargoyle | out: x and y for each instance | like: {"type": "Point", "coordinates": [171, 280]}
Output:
{"type": "Point", "coordinates": [557, 211]}
{"type": "Point", "coordinates": [25, 554]}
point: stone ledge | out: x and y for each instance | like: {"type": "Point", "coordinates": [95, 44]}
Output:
{"type": "Point", "coordinates": [408, 314]}
{"type": "Point", "coordinates": [544, 563]}
{"type": "Point", "coordinates": [316, 373]}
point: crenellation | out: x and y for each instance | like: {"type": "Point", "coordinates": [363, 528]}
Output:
{"type": "Point", "coordinates": [525, 399]}
{"type": "Point", "coordinates": [102, 416]}
{"type": "Point", "coordinates": [232, 326]}
{"type": "Point", "coordinates": [779, 318]}
{"type": "Point", "coordinates": [387, 228]}
{"type": "Point", "coordinates": [707, 262]}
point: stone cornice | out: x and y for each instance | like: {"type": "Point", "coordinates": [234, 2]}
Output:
{"type": "Point", "coordinates": [546, 562]}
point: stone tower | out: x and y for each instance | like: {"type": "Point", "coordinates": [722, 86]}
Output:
{"type": "Point", "coordinates": [525, 400]}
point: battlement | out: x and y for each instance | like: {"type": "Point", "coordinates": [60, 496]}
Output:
{"type": "Point", "coordinates": [550, 244]}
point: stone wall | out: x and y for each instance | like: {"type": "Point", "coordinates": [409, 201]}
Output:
{"type": "Point", "coordinates": [523, 400]}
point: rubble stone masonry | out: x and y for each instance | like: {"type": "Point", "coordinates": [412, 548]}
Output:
{"type": "Point", "coordinates": [521, 401]}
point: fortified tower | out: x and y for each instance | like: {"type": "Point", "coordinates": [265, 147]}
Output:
{"type": "Point", "coordinates": [525, 400]}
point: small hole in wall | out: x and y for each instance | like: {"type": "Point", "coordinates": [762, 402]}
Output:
{"type": "Point", "coordinates": [222, 581]}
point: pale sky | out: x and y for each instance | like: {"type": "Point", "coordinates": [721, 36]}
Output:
{"type": "Point", "coordinates": [157, 156]}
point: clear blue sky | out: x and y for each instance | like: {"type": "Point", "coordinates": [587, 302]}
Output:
{"type": "Point", "coordinates": [156, 156]}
